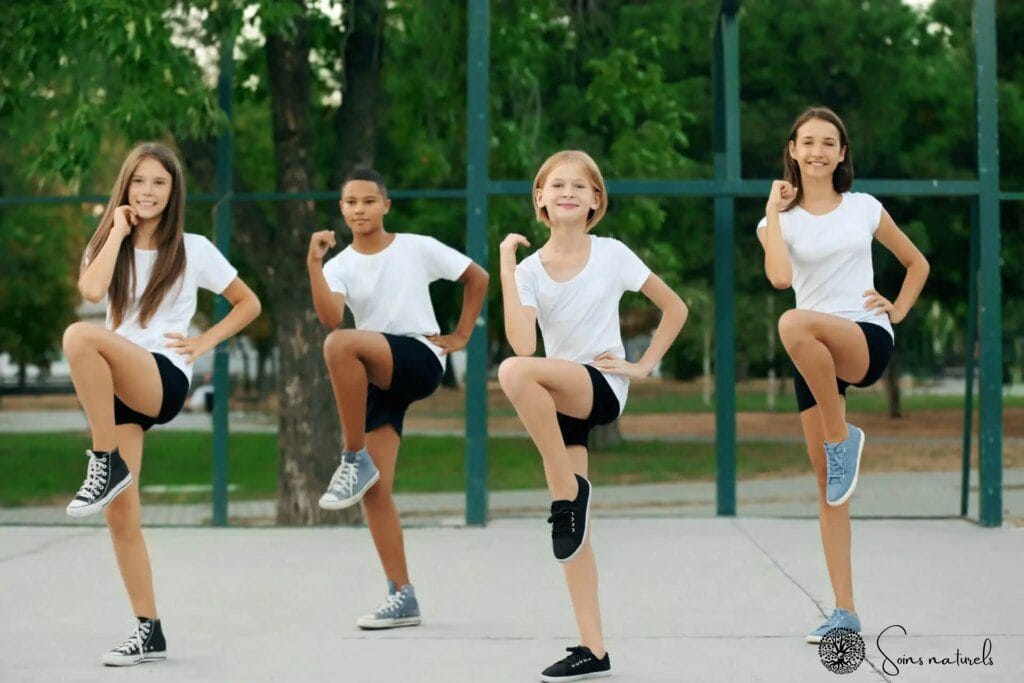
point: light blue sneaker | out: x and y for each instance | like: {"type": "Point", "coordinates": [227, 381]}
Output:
{"type": "Point", "coordinates": [398, 609]}
{"type": "Point", "coordinates": [842, 465]}
{"type": "Point", "coordinates": [839, 618]}
{"type": "Point", "coordinates": [354, 476]}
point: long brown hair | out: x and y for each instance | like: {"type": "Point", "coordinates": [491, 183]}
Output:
{"type": "Point", "coordinates": [842, 177]}
{"type": "Point", "coordinates": [169, 238]}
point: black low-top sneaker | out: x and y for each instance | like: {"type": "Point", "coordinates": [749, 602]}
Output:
{"type": "Point", "coordinates": [579, 665]}
{"type": "Point", "coordinates": [568, 522]}
{"type": "Point", "coordinates": [146, 644]}
{"type": "Point", "coordinates": [106, 477]}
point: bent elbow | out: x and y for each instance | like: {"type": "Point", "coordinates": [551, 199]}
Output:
{"type": "Point", "coordinates": [89, 294]}
{"type": "Point", "coordinates": [257, 307]}
{"type": "Point", "coordinates": [780, 282]}
{"type": "Point", "coordinates": [524, 349]}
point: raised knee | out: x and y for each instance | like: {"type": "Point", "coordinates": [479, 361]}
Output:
{"type": "Point", "coordinates": [77, 338]}
{"type": "Point", "coordinates": [791, 325]}
{"type": "Point", "coordinates": [337, 343]}
{"type": "Point", "coordinates": [511, 373]}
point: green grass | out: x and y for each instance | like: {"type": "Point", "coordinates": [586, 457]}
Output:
{"type": "Point", "coordinates": [48, 468]}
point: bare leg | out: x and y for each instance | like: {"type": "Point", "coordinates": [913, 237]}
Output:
{"type": "Point", "coordinates": [104, 363]}
{"type": "Point", "coordinates": [824, 347]}
{"type": "Point", "coordinates": [355, 359]}
{"type": "Point", "coordinates": [379, 505]}
{"type": "Point", "coordinates": [124, 519]}
{"type": "Point", "coordinates": [581, 577]}
{"type": "Point", "coordinates": [834, 521]}
{"type": "Point", "coordinates": [538, 388]}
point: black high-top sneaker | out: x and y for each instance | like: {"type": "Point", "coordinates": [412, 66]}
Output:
{"type": "Point", "coordinates": [579, 665]}
{"type": "Point", "coordinates": [106, 477]}
{"type": "Point", "coordinates": [146, 644]}
{"type": "Point", "coordinates": [568, 522]}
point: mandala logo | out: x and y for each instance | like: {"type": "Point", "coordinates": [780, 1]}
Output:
{"type": "Point", "coordinates": [841, 651]}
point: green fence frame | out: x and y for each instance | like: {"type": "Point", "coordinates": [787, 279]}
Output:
{"type": "Point", "coordinates": [984, 317]}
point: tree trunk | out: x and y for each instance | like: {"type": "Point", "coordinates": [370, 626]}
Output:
{"type": "Point", "coordinates": [892, 386]}
{"type": "Point", "coordinates": [308, 433]}
{"type": "Point", "coordinates": [360, 109]}
{"type": "Point", "coordinates": [605, 436]}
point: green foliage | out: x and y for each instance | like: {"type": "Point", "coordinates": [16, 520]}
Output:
{"type": "Point", "coordinates": [627, 81]}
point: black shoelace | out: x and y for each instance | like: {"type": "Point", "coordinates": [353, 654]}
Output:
{"type": "Point", "coordinates": [563, 522]}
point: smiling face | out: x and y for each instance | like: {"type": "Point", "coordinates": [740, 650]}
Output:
{"type": "Point", "coordinates": [363, 206]}
{"type": "Point", "coordinates": [817, 149]}
{"type": "Point", "coordinates": [149, 189]}
{"type": "Point", "coordinates": [567, 195]}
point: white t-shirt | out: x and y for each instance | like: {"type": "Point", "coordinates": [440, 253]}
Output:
{"type": "Point", "coordinates": [204, 267]}
{"type": "Point", "coordinates": [831, 257]}
{"type": "Point", "coordinates": [579, 318]}
{"type": "Point", "coordinates": [389, 291]}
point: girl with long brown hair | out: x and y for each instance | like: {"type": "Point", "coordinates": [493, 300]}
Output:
{"type": "Point", "coordinates": [135, 372]}
{"type": "Point", "coordinates": [817, 238]}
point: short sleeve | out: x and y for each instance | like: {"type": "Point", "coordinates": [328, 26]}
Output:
{"type": "Point", "coordinates": [763, 223]}
{"type": "Point", "coordinates": [872, 209]}
{"type": "Point", "coordinates": [526, 286]}
{"type": "Point", "coordinates": [334, 273]}
{"type": "Point", "coordinates": [441, 261]}
{"type": "Point", "coordinates": [214, 272]}
{"type": "Point", "coordinates": [633, 273]}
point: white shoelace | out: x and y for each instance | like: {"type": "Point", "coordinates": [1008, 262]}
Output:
{"type": "Point", "coordinates": [391, 604]}
{"type": "Point", "coordinates": [95, 477]}
{"type": "Point", "coordinates": [835, 460]}
{"type": "Point", "coordinates": [135, 640]}
{"type": "Point", "coordinates": [344, 480]}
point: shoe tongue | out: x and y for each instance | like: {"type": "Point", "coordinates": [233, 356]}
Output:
{"type": "Point", "coordinates": [348, 456]}
{"type": "Point", "coordinates": [392, 588]}
{"type": "Point", "coordinates": [560, 505]}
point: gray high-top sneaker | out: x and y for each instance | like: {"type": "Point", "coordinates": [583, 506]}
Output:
{"type": "Point", "coordinates": [353, 478]}
{"type": "Point", "coordinates": [398, 609]}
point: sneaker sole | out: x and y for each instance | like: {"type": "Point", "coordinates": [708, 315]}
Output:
{"type": "Point", "coordinates": [349, 502]}
{"type": "Point", "coordinates": [131, 661]}
{"type": "Point", "coordinates": [390, 623]}
{"type": "Point", "coordinates": [579, 677]}
{"type": "Point", "coordinates": [849, 492]}
{"type": "Point", "coordinates": [86, 510]}
{"type": "Point", "coordinates": [586, 530]}
{"type": "Point", "coordinates": [813, 640]}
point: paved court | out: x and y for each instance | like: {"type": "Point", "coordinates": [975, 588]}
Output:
{"type": "Point", "coordinates": [683, 600]}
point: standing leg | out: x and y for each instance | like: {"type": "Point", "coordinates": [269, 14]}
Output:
{"type": "Point", "coordinates": [124, 520]}
{"type": "Point", "coordinates": [834, 521]}
{"type": "Point", "coordinates": [379, 505]}
{"type": "Point", "coordinates": [581, 577]}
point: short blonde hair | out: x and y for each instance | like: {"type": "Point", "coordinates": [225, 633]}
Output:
{"type": "Point", "coordinates": [592, 172]}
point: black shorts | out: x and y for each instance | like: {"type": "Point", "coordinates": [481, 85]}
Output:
{"type": "Point", "coordinates": [175, 386]}
{"type": "Point", "coordinates": [416, 373]}
{"type": "Point", "coordinates": [880, 346]}
{"type": "Point", "coordinates": [576, 431]}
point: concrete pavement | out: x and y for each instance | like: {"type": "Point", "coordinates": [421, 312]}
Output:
{"type": "Point", "coordinates": [683, 599]}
